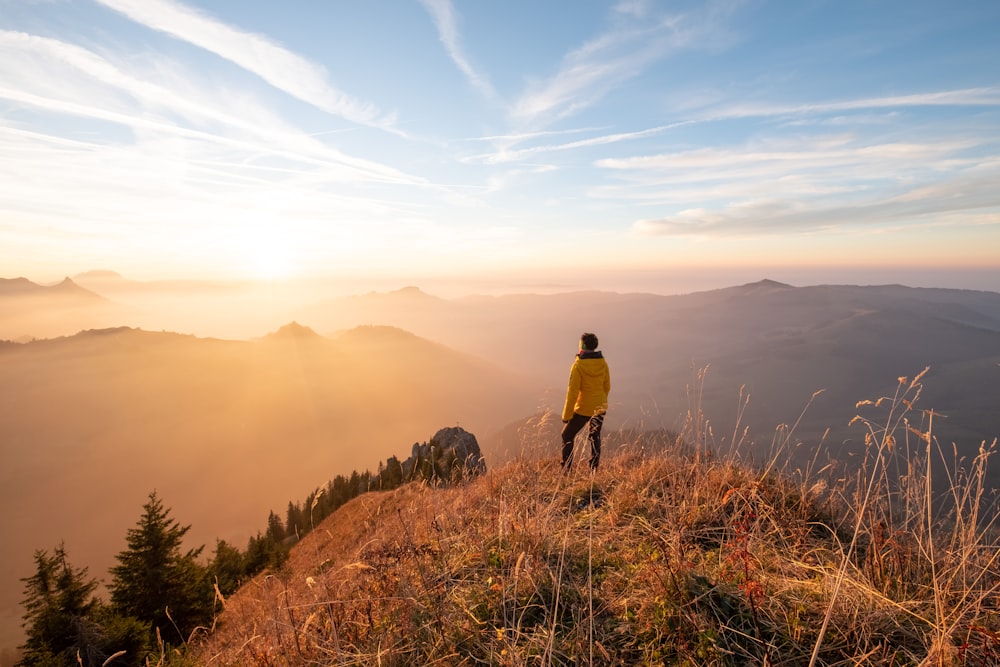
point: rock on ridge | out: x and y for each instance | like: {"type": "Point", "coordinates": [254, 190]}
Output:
{"type": "Point", "coordinates": [451, 454]}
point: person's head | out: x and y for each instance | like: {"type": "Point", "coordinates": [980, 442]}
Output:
{"type": "Point", "coordinates": [588, 342]}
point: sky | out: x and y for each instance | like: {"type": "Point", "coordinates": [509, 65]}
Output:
{"type": "Point", "coordinates": [574, 143]}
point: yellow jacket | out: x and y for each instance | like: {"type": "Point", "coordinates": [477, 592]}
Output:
{"type": "Point", "coordinates": [589, 385]}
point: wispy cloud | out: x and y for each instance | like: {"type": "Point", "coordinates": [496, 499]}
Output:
{"type": "Point", "coordinates": [589, 73]}
{"type": "Point", "coordinates": [966, 202]}
{"type": "Point", "coordinates": [174, 196]}
{"type": "Point", "coordinates": [443, 14]}
{"type": "Point", "coordinates": [586, 76]}
{"type": "Point", "coordinates": [525, 136]}
{"type": "Point", "coordinates": [775, 182]}
{"type": "Point", "coordinates": [63, 77]}
{"type": "Point", "coordinates": [863, 187]}
{"type": "Point", "coordinates": [163, 121]}
{"type": "Point", "coordinates": [152, 161]}
{"type": "Point", "coordinates": [503, 155]}
{"type": "Point", "coordinates": [790, 156]}
{"type": "Point", "coordinates": [971, 97]}
{"type": "Point", "coordinates": [507, 152]}
{"type": "Point", "coordinates": [280, 67]}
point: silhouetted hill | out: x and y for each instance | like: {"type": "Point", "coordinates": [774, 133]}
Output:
{"type": "Point", "coordinates": [374, 334]}
{"type": "Point", "coordinates": [19, 286]}
{"type": "Point", "coordinates": [69, 288]}
{"type": "Point", "coordinates": [761, 286]}
{"type": "Point", "coordinates": [29, 310]}
{"type": "Point", "coordinates": [409, 308]}
{"type": "Point", "coordinates": [65, 289]}
{"type": "Point", "coordinates": [215, 309]}
{"type": "Point", "coordinates": [293, 331]}
{"type": "Point", "coordinates": [779, 343]}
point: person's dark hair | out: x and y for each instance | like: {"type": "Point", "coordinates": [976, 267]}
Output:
{"type": "Point", "coordinates": [588, 341]}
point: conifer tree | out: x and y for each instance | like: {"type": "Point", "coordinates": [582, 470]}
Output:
{"type": "Point", "coordinates": [263, 553]}
{"type": "Point", "coordinates": [227, 567]}
{"type": "Point", "coordinates": [58, 599]}
{"type": "Point", "coordinates": [295, 524]}
{"type": "Point", "coordinates": [66, 625]}
{"type": "Point", "coordinates": [308, 507]}
{"type": "Point", "coordinates": [340, 490]}
{"type": "Point", "coordinates": [275, 528]}
{"type": "Point", "coordinates": [393, 474]}
{"type": "Point", "coordinates": [155, 581]}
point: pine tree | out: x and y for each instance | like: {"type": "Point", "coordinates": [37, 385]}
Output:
{"type": "Point", "coordinates": [295, 524]}
{"type": "Point", "coordinates": [275, 528]}
{"type": "Point", "coordinates": [58, 599]}
{"type": "Point", "coordinates": [393, 473]}
{"type": "Point", "coordinates": [227, 567]}
{"type": "Point", "coordinates": [155, 581]}
{"type": "Point", "coordinates": [263, 553]}
{"type": "Point", "coordinates": [308, 507]}
{"type": "Point", "coordinates": [339, 490]}
{"type": "Point", "coordinates": [66, 625]}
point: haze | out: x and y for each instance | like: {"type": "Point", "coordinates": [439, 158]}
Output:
{"type": "Point", "coordinates": [490, 180]}
{"type": "Point", "coordinates": [229, 427]}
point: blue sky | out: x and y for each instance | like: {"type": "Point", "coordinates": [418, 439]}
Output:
{"type": "Point", "coordinates": [556, 141]}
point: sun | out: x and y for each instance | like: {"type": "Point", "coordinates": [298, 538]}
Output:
{"type": "Point", "coordinates": [265, 255]}
{"type": "Point", "coordinates": [270, 265]}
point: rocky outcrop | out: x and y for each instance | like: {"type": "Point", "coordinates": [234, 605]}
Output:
{"type": "Point", "coordinates": [451, 455]}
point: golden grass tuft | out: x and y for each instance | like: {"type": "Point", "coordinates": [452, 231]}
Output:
{"type": "Point", "coordinates": [666, 555]}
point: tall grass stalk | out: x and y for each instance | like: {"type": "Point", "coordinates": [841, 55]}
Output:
{"type": "Point", "coordinates": [669, 553]}
{"type": "Point", "coordinates": [881, 440]}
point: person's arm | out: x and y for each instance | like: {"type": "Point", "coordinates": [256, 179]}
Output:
{"type": "Point", "coordinates": [572, 391]}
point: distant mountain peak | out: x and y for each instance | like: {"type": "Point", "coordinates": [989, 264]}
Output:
{"type": "Point", "coordinates": [372, 333]}
{"type": "Point", "coordinates": [411, 292]}
{"type": "Point", "coordinates": [107, 331]}
{"type": "Point", "coordinates": [64, 288]}
{"type": "Point", "coordinates": [293, 330]}
{"type": "Point", "coordinates": [408, 291]}
{"type": "Point", "coordinates": [17, 286]}
{"type": "Point", "coordinates": [99, 274]}
{"type": "Point", "coordinates": [69, 288]}
{"type": "Point", "coordinates": [766, 283]}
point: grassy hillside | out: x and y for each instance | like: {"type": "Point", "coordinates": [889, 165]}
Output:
{"type": "Point", "coordinates": [667, 555]}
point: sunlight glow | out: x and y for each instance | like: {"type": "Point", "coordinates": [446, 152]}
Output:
{"type": "Point", "coordinates": [265, 254]}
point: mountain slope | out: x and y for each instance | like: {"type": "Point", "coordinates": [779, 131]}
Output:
{"type": "Point", "coordinates": [29, 310]}
{"type": "Point", "coordinates": [97, 420]}
{"type": "Point", "coordinates": [777, 343]}
{"type": "Point", "coordinates": [660, 557]}
{"type": "Point", "coordinates": [91, 423]}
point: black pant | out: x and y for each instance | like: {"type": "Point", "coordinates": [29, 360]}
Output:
{"type": "Point", "coordinates": [572, 427]}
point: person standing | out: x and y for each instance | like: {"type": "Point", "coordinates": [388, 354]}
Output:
{"type": "Point", "coordinates": [586, 400]}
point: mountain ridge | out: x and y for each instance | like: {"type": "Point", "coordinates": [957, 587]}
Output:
{"type": "Point", "coordinates": [374, 379]}
{"type": "Point", "coordinates": [64, 288]}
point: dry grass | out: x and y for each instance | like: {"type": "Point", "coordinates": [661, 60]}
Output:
{"type": "Point", "coordinates": [667, 555]}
